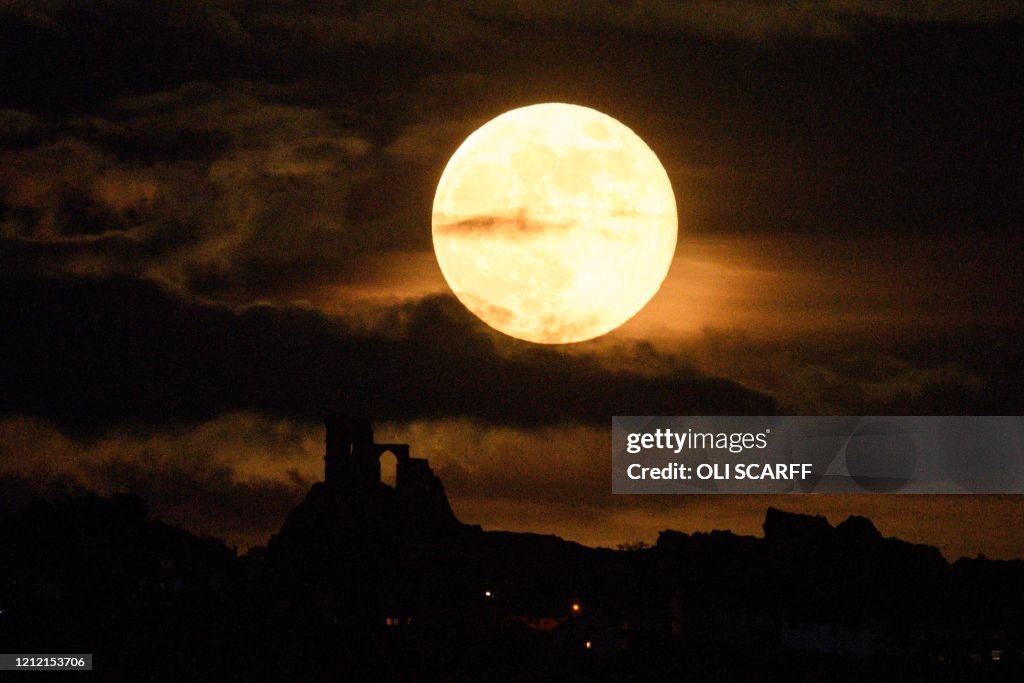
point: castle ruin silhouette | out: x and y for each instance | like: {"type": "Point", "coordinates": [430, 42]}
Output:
{"type": "Point", "coordinates": [352, 461]}
{"type": "Point", "coordinates": [352, 505]}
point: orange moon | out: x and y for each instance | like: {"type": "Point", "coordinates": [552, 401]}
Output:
{"type": "Point", "coordinates": [554, 223]}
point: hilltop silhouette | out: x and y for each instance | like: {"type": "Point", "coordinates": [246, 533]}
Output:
{"type": "Point", "coordinates": [367, 580]}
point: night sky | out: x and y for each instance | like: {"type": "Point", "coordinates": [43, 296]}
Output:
{"type": "Point", "coordinates": [215, 229]}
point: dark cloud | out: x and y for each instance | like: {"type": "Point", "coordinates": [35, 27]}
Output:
{"type": "Point", "coordinates": [210, 500]}
{"type": "Point", "coordinates": [323, 25]}
{"type": "Point", "coordinates": [92, 353]}
{"type": "Point", "coordinates": [960, 371]}
{"type": "Point", "coordinates": [73, 55]}
{"type": "Point", "coordinates": [223, 191]}
{"type": "Point", "coordinates": [251, 161]}
{"type": "Point", "coordinates": [520, 223]}
{"type": "Point", "coordinates": [235, 477]}
{"type": "Point", "coordinates": [748, 20]}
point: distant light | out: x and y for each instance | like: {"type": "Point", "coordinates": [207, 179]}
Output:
{"type": "Point", "coordinates": [575, 607]}
{"type": "Point", "coordinates": [487, 594]}
{"type": "Point", "coordinates": [997, 655]}
{"type": "Point", "coordinates": [588, 645]}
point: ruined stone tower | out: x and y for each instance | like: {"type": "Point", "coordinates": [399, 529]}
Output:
{"type": "Point", "coordinates": [351, 459]}
{"type": "Point", "coordinates": [352, 465]}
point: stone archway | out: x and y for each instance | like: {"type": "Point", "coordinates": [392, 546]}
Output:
{"type": "Point", "coordinates": [391, 461]}
{"type": "Point", "coordinates": [388, 469]}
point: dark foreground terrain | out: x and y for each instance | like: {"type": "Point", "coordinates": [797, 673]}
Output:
{"type": "Point", "coordinates": [370, 581]}
{"type": "Point", "coordinates": [83, 573]}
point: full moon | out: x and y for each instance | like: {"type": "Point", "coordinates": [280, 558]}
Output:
{"type": "Point", "coordinates": [554, 223]}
